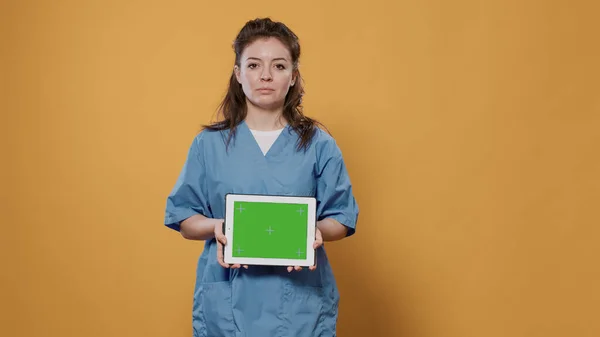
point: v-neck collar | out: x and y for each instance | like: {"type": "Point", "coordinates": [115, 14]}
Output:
{"type": "Point", "coordinates": [280, 142]}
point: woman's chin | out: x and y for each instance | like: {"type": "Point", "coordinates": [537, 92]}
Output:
{"type": "Point", "coordinates": [269, 105]}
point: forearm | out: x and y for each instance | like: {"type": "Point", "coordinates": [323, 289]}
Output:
{"type": "Point", "coordinates": [331, 229]}
{"type": "Point", "coordinates": [198, 227]}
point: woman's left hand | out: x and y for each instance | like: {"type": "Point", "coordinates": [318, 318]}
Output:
{"type": "Point", "coordinates": [318, 243]}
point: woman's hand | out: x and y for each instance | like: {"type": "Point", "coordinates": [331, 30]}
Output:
{"type": "Point", "coordinates": [318, 243]}
{"type": "Point", "coordinates": [222, 241]}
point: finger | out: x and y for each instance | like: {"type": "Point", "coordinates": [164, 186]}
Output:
{"type": "Point", "coordinates": [236, 266]}
{"type": "Point", "coordinates": [297, 268]}
{"type": "Point", "coordinates": [220, 256]}
{"type": "Point", "coordinates": [245, 266]}
{"type": "Point", "coordinates": [289, 269]}
{"type": "Point", "coordinates": [219, 233]}
{"type": "Point", "coordinates": [313, 267]}
{"type": "Point", "coordinates": [221, 262]}
{"type": "Point", "coordinates": [318, 239]}
{"type": "Point", "coordinates": [218, 227]}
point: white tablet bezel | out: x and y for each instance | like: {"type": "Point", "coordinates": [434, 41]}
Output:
{"type": "Point", "coordinates": [229, 223]}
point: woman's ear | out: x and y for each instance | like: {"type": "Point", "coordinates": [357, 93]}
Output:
{"type": "Point", "coordinates": [294, 77]}
{"type": "Point", "coordinates": [236, 71]}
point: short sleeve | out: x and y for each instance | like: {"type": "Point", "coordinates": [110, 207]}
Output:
{"type": "Point", "coordinates": [335, 198]}
{"type": "Point", "coordinates": [188, 196]}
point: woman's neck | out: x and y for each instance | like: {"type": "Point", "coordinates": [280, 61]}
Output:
{"type": "Point", "coordinates": [264, 120]}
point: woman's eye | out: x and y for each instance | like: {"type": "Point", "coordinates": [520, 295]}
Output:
{"type": "Point", "coordinates": [280, 66]}
{"type": "Point", "coordinates": [252, 65]}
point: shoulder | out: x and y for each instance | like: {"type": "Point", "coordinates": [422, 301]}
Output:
{"type": "Point", "coordinates": [206, 136]}
{"type": "Point", "coordinates": [325, 145]}
{"type": "Point", "coordinates": [322, 138]}
{"type": "Point", "coordinates": [203, 143]}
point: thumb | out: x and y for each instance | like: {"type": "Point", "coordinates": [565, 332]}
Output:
{"type": "Point", "coordinates": [219, 232]}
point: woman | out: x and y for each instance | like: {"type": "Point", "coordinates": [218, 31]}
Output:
{"type": "Point", "coordinates": [263, 145]}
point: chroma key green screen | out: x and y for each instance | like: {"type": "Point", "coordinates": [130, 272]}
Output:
{"type": "Point", "coordinates": [269, 230]}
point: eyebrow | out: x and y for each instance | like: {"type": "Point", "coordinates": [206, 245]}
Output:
{"type": "Point", "coordinates": [275, 59]}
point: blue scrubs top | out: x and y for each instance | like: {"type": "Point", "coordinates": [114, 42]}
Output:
{"type": "Point", "coordinates": [262, 301]}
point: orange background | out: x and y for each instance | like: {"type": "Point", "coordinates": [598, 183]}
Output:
{"type": "Point", "coordinates": [471, 130]}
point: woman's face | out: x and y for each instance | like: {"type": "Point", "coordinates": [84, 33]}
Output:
{"type": "Point", "coordinates": [266, 73]}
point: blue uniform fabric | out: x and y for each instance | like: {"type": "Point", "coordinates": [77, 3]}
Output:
{"type": "Point", "coordinates": [262, 301]}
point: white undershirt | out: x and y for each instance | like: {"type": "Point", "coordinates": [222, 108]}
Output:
{"type": "Point", "coordinates": [265, 139]}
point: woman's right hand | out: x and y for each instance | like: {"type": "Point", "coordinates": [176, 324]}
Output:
{"type": "Point", "coordinates": [221, 242]}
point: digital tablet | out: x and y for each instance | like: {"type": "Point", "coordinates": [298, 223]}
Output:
{"type": "Point", "coordinates": [269, 230]}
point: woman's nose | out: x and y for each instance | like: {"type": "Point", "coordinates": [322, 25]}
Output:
{"type": "Point", "coordinates": [266, 76]}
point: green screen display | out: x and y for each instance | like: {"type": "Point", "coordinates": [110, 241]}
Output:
{"type": "Point", "coordinates": [269, 230]}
